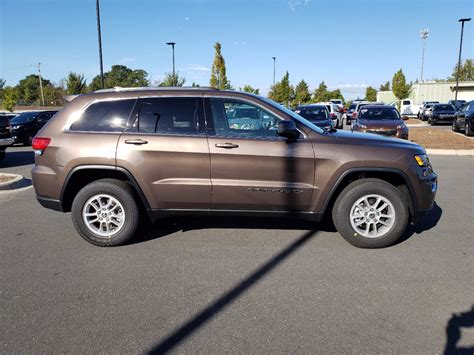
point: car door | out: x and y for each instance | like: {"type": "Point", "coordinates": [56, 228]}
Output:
{"type": "Point", "coordinates": [251, 167]}
{"type": "Point", "coordinates": [165, 148]}
{"type": "Point", "coordinates": [461, 115]}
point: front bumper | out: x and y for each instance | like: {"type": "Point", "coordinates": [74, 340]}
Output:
{"type": "Point", "coordinates": [5, 142]}
{"type": "Point", "coordinates": [442, 119]}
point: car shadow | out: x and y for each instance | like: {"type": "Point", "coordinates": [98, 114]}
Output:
{"type": "Point", "coordinates": [453, 332]}
{"type": "Point", "coordinates": [17, 158]}
{"type": "Point", "coordinates": [427, 222]}
{"type": "Point", "coordinates": [167, 226]}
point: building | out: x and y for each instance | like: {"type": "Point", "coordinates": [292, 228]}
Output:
{"type": "Point", "coordinates": [433, 91]}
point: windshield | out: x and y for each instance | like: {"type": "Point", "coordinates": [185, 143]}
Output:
{"type": "Point", "coordinates": [352, 107]}
{"type": "Point", "coordinates": [25, 117]}
{"type": "Point", "coordinates": [443, 108]}
{"type": "Point", "coordinates": [313, 113]}
{"type": "Point", "coordinates": [376, 113]}
{"type": "Point", "coordinates": [292, 114]}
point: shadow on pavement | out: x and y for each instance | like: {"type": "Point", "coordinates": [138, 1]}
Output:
{"type": "Point", "coordinates": [218, 305]}
{"type": "Point", "coordinates": [17, 158]}
{"type": "Point", "coordinates": [428, 222]}
{"type": "Point", "coordinates": [453, 332]}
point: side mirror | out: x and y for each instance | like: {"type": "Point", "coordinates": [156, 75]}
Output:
{"type": "Point", "coordinates": [288, 130]}
{"type": "Point", "coordinates": [405, 118]}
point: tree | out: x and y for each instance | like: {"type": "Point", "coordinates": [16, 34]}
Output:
{"type": "Point", "coordinates": [195, 85]}
{"type": "Point", "coordinates": [302, 94]}
{"type": "Point", "coordinates": [121, 75]}
{"type": "Point", "coordinates": [385, 87]}
{"type": "Point", "coordinates": [10, 95]}
{"type": "Point", "coordinates": [173, 80]}
{"type": "Point", "coordinates": [29, 88]}
{"type": "Point", "coordinates": [75, 84]}
{"type": "Point", "coordinates": [53, 95]}
{"type": "Point", "coordinates": [282, 91]}
{"type": "Point", "coordinates": [370, 94]}
{"type": "Point", "coordinates": [250, 89]}
{"type": "Point", "coordinates": [336, 94]}
{"type": "Point", "coordinates": [218, 71]}
{"type": "Point", "coordinates": [321, 94]}
{"type": "Point", "coordinates": [466, 71]}
{"type": "Point", "coordinates": [2, 84]}
{"type": "Point", "coordinates": [400, 88]}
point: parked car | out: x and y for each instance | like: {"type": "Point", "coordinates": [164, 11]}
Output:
{"type": "Point", "coordinates": [361, 104]}
{"type": "Point", "coordinates": [407, 107]}
{"type": "Point", "coordinates": [113, 156]}
{"type": "Point", "coordinates": [380, 119]}
{"type": "Point", "coordinates": [350, 111]}
{"type": "Point", "coordinates": [423, 106]}
{"type": "Point", "coordinates": [464, 119]}
{"type": "Point", "coordinates": [334, 113]}
{"type": "Point", "coordinates": [10, 116]}
{"type": "Point", "coordinates": [441, 113]}
{"type": "Point", "coordinates": [457, 104]}
{"type": "Point", "coordinates": [426, 111]}
{"type": "Point", "coordinates": [27, 124]}
{"type": "Point", "coordinates": [337, 102]}
{"type": "Point", "coordinates": [5, 135]}
{"type": "Point", "coordinates": [316, 114]}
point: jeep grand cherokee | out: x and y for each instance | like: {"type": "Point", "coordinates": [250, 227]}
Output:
{"type": "Point", "coordinates": [110, 154]}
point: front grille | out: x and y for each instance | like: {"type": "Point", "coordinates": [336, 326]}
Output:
{"type": "Point", "coordinates": [391, 132]}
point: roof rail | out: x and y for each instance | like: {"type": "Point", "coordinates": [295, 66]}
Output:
{"type": "Point", "coordinates": [161, 88]}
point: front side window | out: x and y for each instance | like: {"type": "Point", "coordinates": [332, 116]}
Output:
{"type": "Point", "coordinates": [104, 116]}
{"type": "Point", "coordinates": [242, 119]}
{"type": "Point", "coordinates": [168, 116]}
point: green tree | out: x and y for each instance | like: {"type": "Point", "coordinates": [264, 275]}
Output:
{"type": "Point", "coordinates": [465, 73]}
{"type": "Point", "coordinates": [282, 91]}
{"type": "Point", "coordinates": [321, 94]}
{"type": "Point", "coordinates": [29, 88]}
{"type": "Point", "coordinates": [250, 89]}
{"type": "Point", "coordinates": [218, 71]}
{"type": "Point", "coordinates": [53, 95]}
{"type": "Point", "coordinates": [400, 88]}
{"type": "Point", "coordinates": [121, 75]}
{"type": "Point", "coordinates": [75, 84]}
{"type": "Point", "coordinates": [370, 94]}
{"type": "Point", "coordinates": [10, 99]}
{"type": "Point", "coordinates": [302, 94]}
{"type": "Point", "coordinates": [2, 84]}
{"type": "Point", "coordinates": [385, 87]}
{"type": "Point", "coordinates": [173, 80]}
{"type": "Point", "coordinates": [195, 85]}
{"type": "Point", "coordinates": [336, 94]}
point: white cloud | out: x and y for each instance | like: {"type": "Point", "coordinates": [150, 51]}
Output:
{"type": "Point", "coordinates": [294, 4]}
{"type": "Point", "coordinates": [195, 68]}
{"type": "Point", "coordinates": [128, 59]}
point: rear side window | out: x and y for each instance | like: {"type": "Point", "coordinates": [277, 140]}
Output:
{"type": "Point", "coordinates": [169, 116]}
{"type": "Point", "coordinates": [406, 102]}
{"type": "Point", "coordinates": [104, 116]}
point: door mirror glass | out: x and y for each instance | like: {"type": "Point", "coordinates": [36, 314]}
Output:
{"type": "Point", "coordinates": [288, 130]}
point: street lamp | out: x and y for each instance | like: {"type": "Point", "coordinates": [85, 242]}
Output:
{"type": "Point", "coordinates": [41, 83]}
{"type": "Point", "coordinates": [424, 35]}
{"type": "Point", "coordinates": [274, 60]}
{"type": "Point", "coordinates": [100, 44]}
{"type": "Point", "coordinates": [174, 74]}
{"type": "Point", "coordinates": [459, 59]}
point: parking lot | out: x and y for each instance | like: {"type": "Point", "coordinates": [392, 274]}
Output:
{"type": "Point", "coordinates": [237, 285]}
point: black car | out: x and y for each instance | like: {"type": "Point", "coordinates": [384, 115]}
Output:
{"type": "Point", "coordinates": [441, 113]}
{"type": "Point", "coordinates": [464, 119]}
{"type": "Point", "coordinates": [316, 114]}
{"type": "Point", "coordinates": [457, 104]}
{"type": "Point", "coordinates": [27, 124]}
{"type": "Point", "coordinates": [5, 135]}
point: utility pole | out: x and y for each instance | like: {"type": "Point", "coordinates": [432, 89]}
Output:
{"type": "Point", "coordinates": [41, 83]}
{"type": "Point", "coordinates": [172, 44]}
{"type": "Point", "coordinates": [100, 44]}
{"type": "Point", "coordinates": [459, 59]}
{"type": "Point", "coordinates": [274, 61]}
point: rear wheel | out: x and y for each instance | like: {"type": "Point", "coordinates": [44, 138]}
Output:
{"type": "Point", "coordinates": [467, 130]}
{"type": "Point", "coordinates": [2, 155]}
{"type": "Point", "coordinates": [370, 213]}
{"type": "Point", "coordinates": [105, 213]}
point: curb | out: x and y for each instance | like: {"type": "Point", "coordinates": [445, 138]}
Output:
{"type": "Point", "coordinates": [459, 152]}
{"type": "Point", "coordinates": [18, 182]}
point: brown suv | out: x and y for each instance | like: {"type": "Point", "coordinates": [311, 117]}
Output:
{"type": "Point", "coordinates": [380, 119]}
{"type": "Point", "coordinates": [111, 154]}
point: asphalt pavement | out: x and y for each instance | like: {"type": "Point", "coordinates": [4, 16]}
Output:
{"type": "Point", "coordinates": [237, 285]}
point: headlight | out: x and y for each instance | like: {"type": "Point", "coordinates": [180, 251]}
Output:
{"type": "Point", "coordinates": [422, 160]}
{"type": "Point", "coordinates": [400, 126]}
{"type": "Point", "coordinates": [361, 126]}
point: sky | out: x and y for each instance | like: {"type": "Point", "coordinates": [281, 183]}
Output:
{"type": "Point", "coordinates": [348, 44]}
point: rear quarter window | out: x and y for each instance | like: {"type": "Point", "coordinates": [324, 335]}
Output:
{"type": "Point", "coordinates": [104, 116]}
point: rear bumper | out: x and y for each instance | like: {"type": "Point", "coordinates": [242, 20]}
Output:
{"type": "Point", "coordinates": [5, 142]}
{"type": "Point", "coordinates": [50, 203]}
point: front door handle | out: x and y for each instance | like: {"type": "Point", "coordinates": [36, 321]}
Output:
{"type": "Point", "coordinates": [135, 141]}
{"type": "Point", "coordinates": [227, 145]}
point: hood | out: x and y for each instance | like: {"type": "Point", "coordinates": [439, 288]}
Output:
{"type": "Point", "coordinates": [380, 124]}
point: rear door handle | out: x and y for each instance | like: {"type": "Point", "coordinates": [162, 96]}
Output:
{"type": "Point", "coordinates": [227, 145]}
{"type": "Point", "coordinates": [135, 141]}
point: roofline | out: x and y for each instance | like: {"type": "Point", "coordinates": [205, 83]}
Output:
{"type": "Point", "coordinates": [154, 88]}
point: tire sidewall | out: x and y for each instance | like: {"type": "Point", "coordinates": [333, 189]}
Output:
{"type": "Point", "coordinates": [122, 193]}
{"type": "Point", "coordinates": [345, 203]}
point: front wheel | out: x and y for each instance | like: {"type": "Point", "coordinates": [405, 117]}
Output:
{"type": "Point", "coordinates": [454, 126]}
{"type": "Point", "coordinates": [370, 213]}
{"type": "Point", "coordinates": [105, 213]}
{"type": "Point", "coordinates": [467, 130]}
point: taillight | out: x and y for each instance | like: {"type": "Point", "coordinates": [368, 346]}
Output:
{"type": "Point", "coordinates": [354, 114]}
{"type": "Point", "coordinates": [332, 114]}
{"type": "Point", "coordinates": [39, 144]}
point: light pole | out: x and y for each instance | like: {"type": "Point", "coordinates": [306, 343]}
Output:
{"type": "Point", "coordinates": [174, 73]}
{"type": "Point", "coordinates": [424, 35]}
{"type": "Point", "coordinates": [100, 44]}
{"type": "Point", "coordinates": [41, 83]}
{"type": "Point", "coordinates": [459, 59]}
{"type": "Point", "coordinates": [274, 60]}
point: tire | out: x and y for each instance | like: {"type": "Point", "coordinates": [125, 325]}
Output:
{"type": "Point", "coordinates": [432, 122]}
{"type": "Point", "coordinates": [467, 130]}
{"type": "Point", "coordinates": [28, 141]}
{"type": "Point", "coordinates": [346, 203]}
{"type": "Point", "coordinates": [454, 126]}
{"type": "Point", "coordinates": [2, 155]}
{"type": "Point", "coordinates": [124, 205]}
